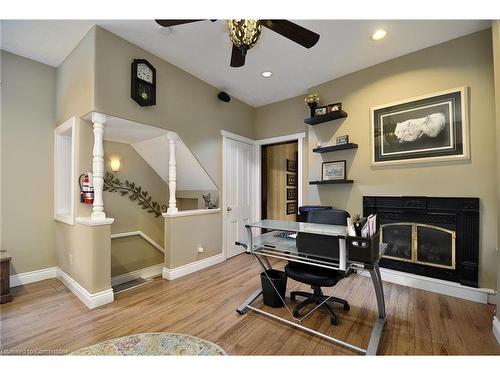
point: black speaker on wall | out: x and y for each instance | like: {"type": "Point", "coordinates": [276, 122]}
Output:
{"type": "Point", "coordinates": [224, 96]}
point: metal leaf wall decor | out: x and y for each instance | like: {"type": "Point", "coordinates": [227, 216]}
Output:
{"type": "Point", "coordinates": [134, 193]}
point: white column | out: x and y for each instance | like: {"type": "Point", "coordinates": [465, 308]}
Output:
{"type": "Point", "coordinates": [172, 173]}
{"type": "Point", "coordinates": [98, 213]}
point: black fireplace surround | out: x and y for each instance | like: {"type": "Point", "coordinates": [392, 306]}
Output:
{"type": "Point", "coordinates": [460, 215]}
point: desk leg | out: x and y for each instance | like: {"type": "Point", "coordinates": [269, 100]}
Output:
{"type": "Point", "coordinates": [243, 308]}
{"type": "Point", "coordinates": [380, 322]}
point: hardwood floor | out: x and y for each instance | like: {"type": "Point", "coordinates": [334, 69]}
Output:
{"type": "Point", "coordinates": [45, 317]}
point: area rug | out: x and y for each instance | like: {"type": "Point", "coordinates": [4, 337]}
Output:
{"type": "Point", "coordinates": [153, 344]}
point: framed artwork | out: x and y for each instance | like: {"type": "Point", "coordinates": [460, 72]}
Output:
{"type": "Point", "coordinates": [428, 128]}
{"type": "Point", "coordinates": [291, 165]}
{"type": "Point", "coordinates": [291, 194]}
{"type": "Point", "coordinates": [333, 107]}
{"type": "Point", "coordinates": [320, 111]}
{"type": "Point", "coordinates": [333, 170]}
{"type": "Point", "coordinates": [342, 140]}
{"type": "Point", "coordinates": [291, 179]}
{"type": "Point", "coordinates": [291, 208]}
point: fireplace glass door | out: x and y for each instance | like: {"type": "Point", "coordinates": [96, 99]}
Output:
{"type": "Point", "coordinates": [420, 243]}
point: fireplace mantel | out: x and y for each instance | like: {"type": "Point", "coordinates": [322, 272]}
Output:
{"type": "Point", "coordinates": [458, 214]}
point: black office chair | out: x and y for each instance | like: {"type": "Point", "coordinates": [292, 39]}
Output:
{"type": "Point", "coordinates": [315, 276]}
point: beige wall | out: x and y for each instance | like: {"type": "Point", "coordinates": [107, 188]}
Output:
{"type": "Point", "coordinates": [182, 241]}
{"type": "Point", "coordinates": [75, 80]}
{"type": "Point", "coordinates": [184, 103]}
{"type": "Point", "coordinates": [133, 253]}
{"type": "Point", "coordinates": [466, 61]}
{"type": "Point", "coordinates": [496, 61]}
{"type": "Point", "coordinates": [27, 138]}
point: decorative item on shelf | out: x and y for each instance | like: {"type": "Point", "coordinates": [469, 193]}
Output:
{"type": "Point", "coordinates": [428, 128]}
{"type": "Point", "coordinates": [335, 107]}
{"type": "Point", "coordinates": [291, 179]}
{"type": "Point", "coordinates": [320, 111]}
{"type": "Point", "coordinates": [291, 165]}
{"type": "Point", "coordinates": [333, 170]}
{"type": "Point", "coordinates": [312, 101]}
{"type": "Point", "coordinates": [342, 140]}
{"type": "Point", "coordinates": [209, 204]}
{"type": "Point", "coordinates": [291, 208]}
{"type": "Point", "coordinates": [134, 193]}
{"type": "Point", "coordinates": [291, 194]}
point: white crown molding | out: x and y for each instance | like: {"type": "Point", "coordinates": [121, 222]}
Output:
{"type": "Point", "coordinates": [33, 276]}
{"type": "Point", "coordinates": [496, 328]}
{"type": "Point", "coordinates": [174, 273]}
{"type": "Point", "coordinates": [435, 285]}
{"type": "Point", "coordinates": [192, 212]}
{"type": "Point", "coordinates": [139, 233]}
{"type": "Point", "coordinates": [144, 273]}
{"type": "Point", "coordinates": [94, 223]}
{"type": "Point", "coordinates": [91, 300]}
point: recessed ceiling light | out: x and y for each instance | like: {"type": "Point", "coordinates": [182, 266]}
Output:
{"type": "Point", "coordinates": [267, 74]}
{"type": "Point", "coordinates": [379, 34]}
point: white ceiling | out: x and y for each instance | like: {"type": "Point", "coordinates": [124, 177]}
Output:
{"type": "Point", "coordinates": [203, 49]}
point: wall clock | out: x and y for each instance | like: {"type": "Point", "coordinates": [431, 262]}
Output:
{"type": "Point", "coordinates": [143, 83]}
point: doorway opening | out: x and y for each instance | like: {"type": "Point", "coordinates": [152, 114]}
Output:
{"type": "Point", "coordinates": [279, 181]}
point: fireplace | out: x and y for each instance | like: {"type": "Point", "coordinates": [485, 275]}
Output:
{"type": "Point", "coordinates": [435, 237]}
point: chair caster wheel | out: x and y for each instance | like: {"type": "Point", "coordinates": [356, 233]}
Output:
{"type": "Point", "coordinates": [292, 297]}
{"type": "Point", "coordinates": [347, 307]}
{"type": "Point", "coordinates": [333, 320]}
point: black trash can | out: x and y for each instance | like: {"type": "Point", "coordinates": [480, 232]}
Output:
{"type": "Point", "coordinates": [278, 278]}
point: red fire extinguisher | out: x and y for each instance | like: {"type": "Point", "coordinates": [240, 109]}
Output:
{"type": "Point", "coordinates": [86, 188]}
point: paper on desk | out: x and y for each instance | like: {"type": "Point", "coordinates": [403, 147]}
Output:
{"type": "Point", "coordinates": [370, 228]}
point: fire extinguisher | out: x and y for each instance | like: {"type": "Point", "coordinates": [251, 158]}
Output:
{"type": "Point", "coordinates": [86, 188]}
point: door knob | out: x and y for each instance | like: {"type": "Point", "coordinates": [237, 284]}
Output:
{"type": "Point", "coordinates": [228, 208]}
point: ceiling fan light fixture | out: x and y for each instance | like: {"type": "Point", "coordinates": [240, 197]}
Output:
{"type": "Point", "coordinates": [244, 33]}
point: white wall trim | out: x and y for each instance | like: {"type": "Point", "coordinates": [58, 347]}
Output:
{"type": "Point", "coordinates": [91, 300]}
{"type": "Point", "coordinates": [201, 211]}
{"type": "Point", "coordinates": [281, 138]}
{"type": "Point", "coordinates": [33, 276]}
{"type": "Point", "coordinates": [496, 328]}
{"type": "Point", "coordinates": [139, 233]}
{"type": "Point", "coordinates": [144, 273]}
{"type": "Point", "coordinates": [237, 137]}
{"type": "Point", "coordinates": [435, 285]}
{"type": "Point", "coordinates": [94, 223]}
{"type": "Point", "coordinates": [174, 273]}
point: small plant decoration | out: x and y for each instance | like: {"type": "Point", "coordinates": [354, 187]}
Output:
{"type": "Point", "coordinates": [134, 193]}
{"type": "Point", "coordinates": [312, 100]}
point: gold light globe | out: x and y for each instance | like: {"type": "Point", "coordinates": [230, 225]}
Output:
{"type": "Point", "coordinates": [244, 33]}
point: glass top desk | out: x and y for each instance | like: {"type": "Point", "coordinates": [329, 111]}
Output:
{"type": "Point", "coordinates": [280, 242]}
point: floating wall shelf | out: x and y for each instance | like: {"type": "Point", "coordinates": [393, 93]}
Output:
{"type": "Point", "coordinates": [335, 148]}
{"type": "Point", "coordinates": [325, 118]}
{"type": "Point", "coordinates": [330, 182]}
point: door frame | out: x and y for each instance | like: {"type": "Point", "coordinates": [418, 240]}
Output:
{"type": "Point", "coordinates": [255, 204]}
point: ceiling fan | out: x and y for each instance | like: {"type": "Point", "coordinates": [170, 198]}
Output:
{"type": "Point", "coordinates": [244, 34]}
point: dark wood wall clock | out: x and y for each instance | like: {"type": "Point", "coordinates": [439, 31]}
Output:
{"type": "Point", "coordinates": [143, 83]}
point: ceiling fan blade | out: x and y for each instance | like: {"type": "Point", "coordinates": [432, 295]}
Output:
{"type": "Point", "coordinates": [169, 23]}
{"type": "Point", "coordinates": [237, 57]}
{"type": "Point", "coordinates": [292, 31]}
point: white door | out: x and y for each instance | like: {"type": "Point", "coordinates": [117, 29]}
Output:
{"type": "Point", "coordinates": [237, 193]}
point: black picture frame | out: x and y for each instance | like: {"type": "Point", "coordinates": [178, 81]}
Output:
{"type": "Point", "coordinates": [333, 170]}
{"type": "Point", "coordinates": [342, 140]}
{"type": "Point", "coordinates": [291, 208]}
{"type": "Point", "coordinates": [291, 179]}
{"type": "Point", "coordinates": [291, 165]}
{"type": "Point", "coordinates": [291, 194]}
{"type": "Point", "coordinates": [428, 128]}
{"type": "Point", "coordinates": [320, 111]}
{"type": "Point", "coordinates": [334, 107]}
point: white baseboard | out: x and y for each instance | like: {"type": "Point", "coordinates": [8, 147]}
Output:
{"type": "Point", "coordinates": [435, 285]}
{"type": "Point", "coordinates": [91, 300]}
{"type": "Point", "coordinates": [143, 273]}
{"type": "Point", "coordinates": [174, 273]}
{"type": "Point", "coordinates": [496, 328]}
{"type": "Point", "coordinates": [33, 276]}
